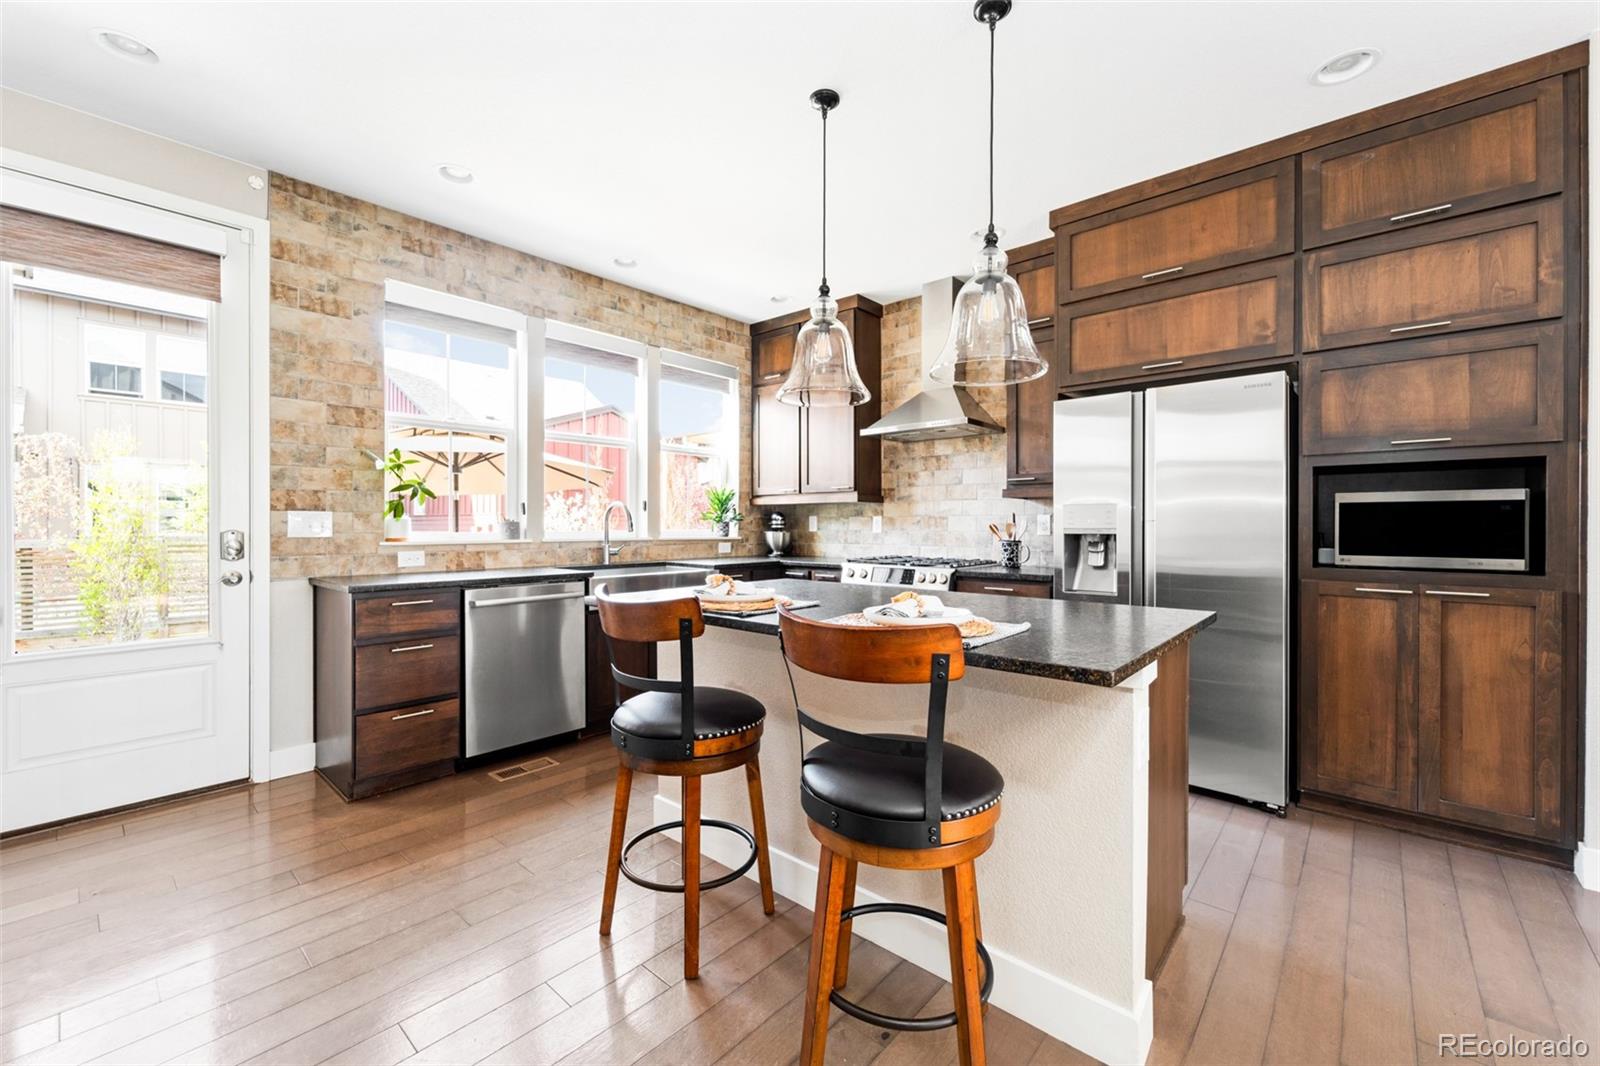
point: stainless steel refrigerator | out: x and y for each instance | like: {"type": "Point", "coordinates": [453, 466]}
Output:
{"type": "Point", "coordinates": [1178, 496]}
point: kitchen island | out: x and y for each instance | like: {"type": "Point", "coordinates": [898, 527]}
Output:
{"type": "Point", "coordinates": [1085, 715]}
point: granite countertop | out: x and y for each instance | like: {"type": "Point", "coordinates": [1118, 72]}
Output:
{"type": "Point", "coordinates": [787, 560]}
{"type": "Point", "coordinates": [434, 579]}
{"type": "Point", "coordinates": [1090, 643]}
{"type": "Point", "coordinates": [1033, 574]}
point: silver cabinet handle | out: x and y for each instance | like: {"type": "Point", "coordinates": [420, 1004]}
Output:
{"type": "Point", "coordinates": [1420, 325]}
{"type": "Point", "coordinates": [1423, 440]}
{"type": "Point", "coordinates": [772, 377]}
{"type": "Point", "coordinates": [509, 600]}
{"type": "Point", "coordinates": [1158, 366]}
{"type": "Point", "coordinates": [997, 588]}
{"type": "Point", "coordinates": [1020, 480]}
{"type": "Point", "coordinates": [409, 603]}
{"type": "Point", "coordinates": [1159, 273]}
{"type": "Point", "coordinates": [1386, 592]}
{"type": "Point", "coordinates": [1045, 320]}
{"type": "Point", "coordinates": [410, 647]}
{"type": "Point", "coordinates": [1446, 592]}
{"type": "Point", "coordinates": [413, 714]}
{"type": "Point", "coordinates": [1434, 210]}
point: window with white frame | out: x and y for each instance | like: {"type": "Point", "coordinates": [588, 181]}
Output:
{"type": "Point", "coordinates": [118, 359]}
{"type": "Point", "coordinates": [698, 435]}
{"type": "Point", "coordinates": [452, 403]}
{"type": "Point", "coordinates": [181, 366]}
{"type": "Point", "coordinates": [593, 390]}
{"type": "Point", "coordinates": [115, 356]}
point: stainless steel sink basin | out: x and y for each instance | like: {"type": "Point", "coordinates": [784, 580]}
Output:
{"type": "Point", "coordinates": [635, 579]}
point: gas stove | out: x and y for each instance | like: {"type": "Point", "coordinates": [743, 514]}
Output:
{"type": "Point", "coordinates": [917, 571]}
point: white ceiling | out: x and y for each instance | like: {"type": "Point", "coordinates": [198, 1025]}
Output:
{"type": "Point", "coordinates": [679, 134]}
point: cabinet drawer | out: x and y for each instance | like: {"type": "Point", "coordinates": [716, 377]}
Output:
{"type": "Point", "coordinates": [1489, 269]}
{"type": "Point", "coordinates": [1493, 151]}
{"type": "Point", "coordinates": [774, 355]}
{"type": "Point", "coordinates": [388, 742]}
{"type": "Point", "coordinates": [1231, 220]}
{"type": "Point", "coordinates": [996, 586]}
{"type": "Point", "coordinates": [401, 614]}
{"type": "Point", "coordinates": [1500, 387]}
{"type": "Point", "coordinates": [1224, 317]}
{"type": "Point", "coordinates": [405, 671]}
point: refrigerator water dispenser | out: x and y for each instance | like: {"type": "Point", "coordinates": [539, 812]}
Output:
{"type": "Point", "coordinates": [1089, 547]}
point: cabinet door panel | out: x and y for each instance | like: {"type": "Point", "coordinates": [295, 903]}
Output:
{"type": "Point", "coordinates": [1037, 280]}
{"type": "Point", "coordinates": [1030, 412]}
{"type": "Point", "coordinates": [1358, 692]}
{"type": "Point", "coordinates": [1224, 317]}
{"type": "Point", "coordinates": [1235, 219]}
{"type": "Point", "coordinates": [829, 447]}
{"type": "Point", "coordinates": [1501, 387]}
{"type": "Point", "coordinates": [774, 355]}
{"type": "Point", "coordinates": [1487, 270]}
{"type": "Point", "coordinates": [1490, 699]}
{"type": "Point", "coordinates": [777, 444]}
{"type": "Point", "coordinates": [1496, 150]}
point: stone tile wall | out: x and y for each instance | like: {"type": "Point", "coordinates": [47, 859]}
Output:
{"type": "Point", "coordinates": [331, 255]}
{"type": "Point", "coordinates": [939, 496]}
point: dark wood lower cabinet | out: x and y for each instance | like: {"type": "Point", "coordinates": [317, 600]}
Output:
{"type": "Point", "coordinates": [1439, 700]}
{"type": "Point", "coordinates": [995, 586]}
{"type": "Point", "coordinates": [634, 658]}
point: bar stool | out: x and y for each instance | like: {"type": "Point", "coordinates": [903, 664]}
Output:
{"type": "Point", "coordinates": [901, 802]}
{"type": "Point", "coordinates": [678, 729]}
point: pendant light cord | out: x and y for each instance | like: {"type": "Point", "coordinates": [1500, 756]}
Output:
{"type": "Point", "coordinates": [823, 290]}
{"type": "Point", "coordinates": [991, 238]}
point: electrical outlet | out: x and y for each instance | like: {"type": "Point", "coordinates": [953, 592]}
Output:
{"type": "Point", "coordinates": [310, 524]}
{"type": "Point", "coordinates": [877, 523]}
{"type": "Point", "coordinates": [811, 523]}
{"type": "Point", "coordinates": [725, 548]}
{"type": "Point", "coordinates": [409, 559]}
{"type": "Point", "coordinates": [1044, 524]}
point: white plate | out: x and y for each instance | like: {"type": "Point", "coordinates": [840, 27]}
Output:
{"type": "Point", "coordinates": [950, 616]}
{"type": "Point", "coordinates": [717, 595]}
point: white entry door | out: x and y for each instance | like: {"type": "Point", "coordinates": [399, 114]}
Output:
{"type": "Point", "coordinates": [126, 667]}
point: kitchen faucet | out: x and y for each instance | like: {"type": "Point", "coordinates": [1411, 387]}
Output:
{"type": "Point", "coordinates": [607, 552]}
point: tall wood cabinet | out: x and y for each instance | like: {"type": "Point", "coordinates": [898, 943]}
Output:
{"type": "Point", "coordinates": [815, 454]}
{"type": "Point", "coordinates": [1418, 270]}
{"type": "Point", "coordinates": [1030, 407]}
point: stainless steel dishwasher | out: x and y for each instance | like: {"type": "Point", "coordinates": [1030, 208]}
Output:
{"type": "Point", "coordinates": [525, 664]}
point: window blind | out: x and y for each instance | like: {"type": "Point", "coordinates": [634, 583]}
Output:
{"type": "Point", "coordinates": [33, 239]}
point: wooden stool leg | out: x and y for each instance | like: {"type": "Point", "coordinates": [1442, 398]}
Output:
{"type": "Point", "coordinates": [758, 822]}
{"type": "Point", "coordinates": [824, 948]}
{"type": "Point", "coordinates": [691, 878]}
{"type": "Point", "coordinates": [619, 827]}
{"type": "Point", "coordinates": [841, 969]}
{"type": "Point", "coordinates": [960, 905]}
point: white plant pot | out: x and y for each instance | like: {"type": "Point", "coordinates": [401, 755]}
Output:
{"type": "Point", "coordinates": [396, 528]}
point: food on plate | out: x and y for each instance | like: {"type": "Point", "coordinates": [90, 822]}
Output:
{"type": "Point", "coordinates": [911, 603]}
{"type": "Point", "coordinates": [976, 627]}
{"type": "Point", "coordinates": [717, 581]}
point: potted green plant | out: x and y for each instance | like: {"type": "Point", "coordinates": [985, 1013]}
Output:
{"type": "Point", "coordinates": [723, 510]}
{"type": "Point", "coordinates": [406, 489]}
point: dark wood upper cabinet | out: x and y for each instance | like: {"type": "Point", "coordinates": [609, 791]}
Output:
{"type": "Point", "coordinates": [1497, 387]}
{"type": "Point", "coordinates": [1231, 220]}
{"type": "Point", "coordinates": [816, 455]}
{"type": "Point", "coordinates": [776, 454]}
{"type": "Point", "coordinates": [1030, 407]}
{"type": "Point", "coordinates": [1497, 150]}
{"type": "Point", "coordinates": [1490, 697]}
{"type": "Point", "coordinates": [1488, 269]}
{"type": "Point", "coordinates": [1034, 267]}
{"type": "Point", "coordinates": [1358, 678]}
{"type": "Point", "coordinates": [1227, 316]}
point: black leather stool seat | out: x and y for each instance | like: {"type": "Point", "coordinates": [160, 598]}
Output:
{"type": "Point", "coordinates": [717, 713]}
{"type": "Point", "coordinates": [891, 786]}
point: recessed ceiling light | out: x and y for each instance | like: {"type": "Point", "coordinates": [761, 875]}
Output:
{"type": "Point", "coordinates": [456, 173]}
{"type": "Point", "coordinates": [1346, 66]}
{"type": "Point", "coordinates": [126, 46]}
{"type": "Point", "coordinates": [625, 262]}
{"type": "Point", "coordinates": [781, 297]}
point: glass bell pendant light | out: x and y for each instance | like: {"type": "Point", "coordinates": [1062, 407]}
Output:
{"type": "Point", "coordinates": [824, 370]}
{"type": "Point", "coordinates": [989, 341]}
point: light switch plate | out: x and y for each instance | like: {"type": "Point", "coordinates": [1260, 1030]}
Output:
{"type": "Point", "coordinates": [811, 523]}
{"type": "Point", "coordinates": [877, 523]}
{"type": "Point", "coordinates": [1044, 524]}
{"type": "Point", "coordinates": [408, 559]}
{"type": "Point", "coordinates": [725, 548]}
{"type": "Point", "coordinates": [310, 524]}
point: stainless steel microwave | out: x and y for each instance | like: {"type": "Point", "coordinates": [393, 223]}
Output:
{"type": "Point", "coordinates": [1451, 529]}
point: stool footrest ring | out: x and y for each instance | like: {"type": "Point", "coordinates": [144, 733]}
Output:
{"type": "Point", "coordinates": [705, 823]}
{"type": "Point", "coordinates": [890, 1021]}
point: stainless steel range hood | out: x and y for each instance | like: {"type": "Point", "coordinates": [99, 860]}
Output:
{"type": "Point", "coordinates": [938, 411]}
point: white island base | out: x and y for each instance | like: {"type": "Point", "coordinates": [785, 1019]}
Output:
{"type": "Point", "coordinates": [1066, 888]}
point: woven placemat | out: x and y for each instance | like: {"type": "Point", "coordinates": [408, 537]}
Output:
{"type": "Point", "coordinates": [754, 607]}
{"type": "Point", "coordinates": [1002, 630]}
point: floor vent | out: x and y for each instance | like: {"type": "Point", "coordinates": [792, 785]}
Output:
{"type": "Point", "coordinates": [511, 773]}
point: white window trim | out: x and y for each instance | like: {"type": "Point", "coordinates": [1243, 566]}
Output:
{"type": "Point", "coordinates": [143, 366]}
{"type": "Point", "coordinates": [517, 477]}
{"type": "Point", "coordinates": [730, 444]}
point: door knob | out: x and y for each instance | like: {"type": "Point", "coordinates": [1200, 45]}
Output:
{"type": "Point", "coordinates": [232, 578]}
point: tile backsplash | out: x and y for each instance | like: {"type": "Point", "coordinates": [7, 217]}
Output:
{"type": "Point", "coordinates": [939, 496]}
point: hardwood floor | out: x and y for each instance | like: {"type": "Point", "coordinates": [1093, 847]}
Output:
{"type": "Point", "coordinates": [456, 922]}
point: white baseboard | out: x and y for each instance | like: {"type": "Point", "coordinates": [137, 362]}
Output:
{"type": "Point", "coordinates": [1586, 865]}
{"type": "Point", "coordinates": [1089, 1023]}
{"type": "Point", "coordinates": [286, 762]}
